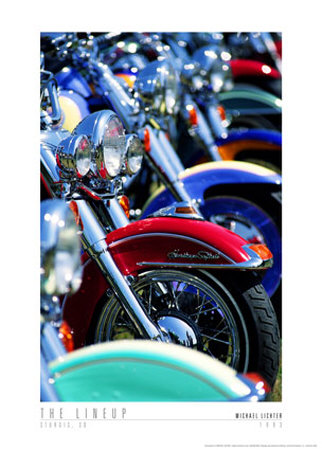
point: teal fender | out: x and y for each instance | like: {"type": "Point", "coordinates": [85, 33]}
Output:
{"type": "Point", "coordinates": [250, 100]}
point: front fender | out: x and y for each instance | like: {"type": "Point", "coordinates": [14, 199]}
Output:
{"type": "Point", "coordinates": [248, 67]}
{"type": "Point", "coordinates": [256, 140]}
{"type": "Point", "coordinates": [175, 242]}
{"type": "Point", "coordinates": [140, 370]}
{"type": "Point", "coordinates": [202, 179]}
{"type": "Point", "coordinates": [74, 108]}
{"type": "Point", "coordinates": [250, 101]}
{"type": "Point", "coordinates": [70, 79]}
{"type": "Point", "coordinates": [156, 242]}
{"type": "Point", "coordinates": [273, 137]}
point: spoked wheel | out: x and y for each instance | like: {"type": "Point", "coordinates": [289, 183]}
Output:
{"type": "Point", "coordinates": [236, 325]}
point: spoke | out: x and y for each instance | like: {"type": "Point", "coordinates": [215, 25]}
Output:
{"type": "Point", "coordinates": [216, 331]}
{"type": "Point", "coordinates": [222, 330]}
{"type": "Point", "coordinates": [179, 283]}
{"type": "Point", "coordinates": [171, 291]}
{"type": "Point", "coordinates": [224, 358]}
{"type": "Point", "coordinates": [200, 307]}
{"type": "Point", "coordinates": [209, 352]}
{"type": "Point", "coordinates": [150, 300]}
{"type": "Point", "coordinates": [212, 338]}
{"type": "Point", "coordinates": [159, 286]}
{"type": "Point", "coordinates": [185, 285]}
{"type": "Point", "coordinates": [214, 308]}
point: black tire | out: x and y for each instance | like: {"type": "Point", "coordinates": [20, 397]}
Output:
{"type": "Point", "coordinates": [235, 322]}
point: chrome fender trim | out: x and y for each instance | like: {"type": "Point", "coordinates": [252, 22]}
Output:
{"type": "Point", "coordinates": [254, 262]}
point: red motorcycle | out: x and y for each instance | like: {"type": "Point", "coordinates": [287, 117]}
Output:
{"type": "Point", "coordinates": [173, 277]}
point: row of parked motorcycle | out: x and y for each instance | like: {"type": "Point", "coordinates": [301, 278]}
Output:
{"type": "Point", "coordinates": [160, 216]}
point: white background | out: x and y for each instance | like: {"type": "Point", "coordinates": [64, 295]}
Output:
{"type": "Point", "coordinates": [191, 427]}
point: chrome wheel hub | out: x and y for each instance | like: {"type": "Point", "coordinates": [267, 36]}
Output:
{"type": "Point", "coordinates": [179, 328]}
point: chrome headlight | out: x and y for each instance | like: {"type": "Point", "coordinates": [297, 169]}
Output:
{"type": "Point", "coordinates": [158, 87]}
{"type": "Point", "coordinates": [107, 137]}
{"type": "Point", "coordinates": [214, 66]}
{"type": "Point", "coordinates": [134, 154]}
{"type": "Point", "coordinates": [74, 156]}
{"type": "Point", "coordinates": [61, 270]}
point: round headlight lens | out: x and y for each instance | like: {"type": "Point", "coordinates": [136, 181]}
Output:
{"type": "Point", "coordinates": [157, 85]}
{"type": "Point", "coordinates": [134, 155]}
{"type": "Point", "coordinates": [74, 156]}
{"type": "Point", "coordinates": [113, 146]}
{"type": "Point", "coordinates": [83, 156]}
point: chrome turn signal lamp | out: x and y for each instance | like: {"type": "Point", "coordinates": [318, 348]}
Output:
{"type": "Point", "coordinates": [74, 156]}
{"type": "Point", "coordinates": [260, 254]}
{"type": "Point", "coordinates": [99, 146]}
{"type": "Point", "coordinates": [183, 210]}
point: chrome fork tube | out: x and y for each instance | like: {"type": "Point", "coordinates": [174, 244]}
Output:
{"type": "Point", "coordinates": [47, 390]}
{"type": "Point", "coordinates": [271, 48]}
{"type": "Point", "coordinates": [51, 346]}
{"type": "Point", "coordinates": [204, 134]}
{"type": "Point", "coordinates": [121, 101]}
{"type": "Point", "coordinates": [215, 121]}
{"type": "Point", "coordinates": [202, 131]}
{"type": "Point", "coordinates": [93, 239]}
{"type": "Point", "coordinates": [166, 163]}
{"type": "Point", "coordinates": [117, 216]}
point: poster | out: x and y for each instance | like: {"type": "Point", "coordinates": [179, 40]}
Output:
{"type": "Point", "coordinates": [294, 422]}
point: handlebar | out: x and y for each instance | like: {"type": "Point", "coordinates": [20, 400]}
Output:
{"type": "Point", "coordinates": [48, 83]}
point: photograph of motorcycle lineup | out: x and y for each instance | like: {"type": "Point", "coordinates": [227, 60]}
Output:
{"type": "Point", "coordinates": [160, 217]}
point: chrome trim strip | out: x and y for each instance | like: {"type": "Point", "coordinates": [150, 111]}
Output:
{"type": "Point", "coordinates": [173, 235]}
{"type": "Point", "coordinates": [189, 265]}
{"type": "Point", "coordinates": [255, 262]}
{"type": "Point", "coordinates": [247, 265]}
